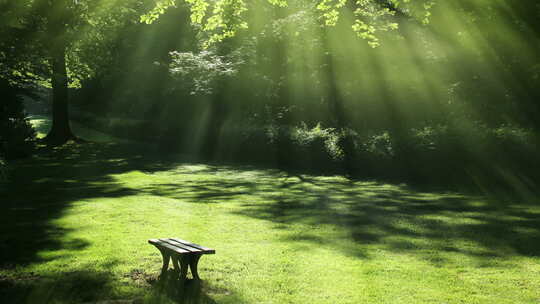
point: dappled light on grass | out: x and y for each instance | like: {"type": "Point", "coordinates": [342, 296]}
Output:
{"type": "Point", "coordinates": [390, 216]}
{"type": "Point", "coordinates": [42, 124]}
{"type": "Point", "coordinates": [279, 236]}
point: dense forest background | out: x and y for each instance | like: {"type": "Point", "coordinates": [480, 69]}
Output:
{"type": "Point", "coordinates": [449, 102]}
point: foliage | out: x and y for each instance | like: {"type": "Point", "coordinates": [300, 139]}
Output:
{"type": "Point", "coordinates": [22, 58]}
{"type": "Point", "coordinates": [317, 141]}
{"type": "Point", "coordinates": [16, 134]}
{"type": "Point", "coordinates": [224, 18]}
{"type": "Point", "coordinates": [379, 145]}
{"type": "Point", "coordinates": [198, 73]}
{"type": "Point", "coordinates": [440, 138]}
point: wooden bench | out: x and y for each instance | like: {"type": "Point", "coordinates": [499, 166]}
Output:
{"type": "Point", "coordinates": [182, 253]}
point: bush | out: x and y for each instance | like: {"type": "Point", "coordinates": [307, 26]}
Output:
{"type": "Point", "coordinates": [378, 145]}
{"type": "Point", "coordinates": [17, 137]}
{"type": "Point", "coordinates": [514, 140]}
{"type": "Point", "coordinates": [467, 149]}
{"type": "Point", "coordinates": [474, 138]}
{"type": "Point", "coordinates": [317, 145]}
{"type": "Point", "coordinates": [285, 146]}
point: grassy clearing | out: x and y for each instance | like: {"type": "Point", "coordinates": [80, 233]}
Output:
{"type": "Point", "coordinates": [75, 222]}
{"type": "Point", "coordinates": [42, 124]}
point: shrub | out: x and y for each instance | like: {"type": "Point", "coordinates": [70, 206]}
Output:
{"type": "Point", "coordinates": [287, 146]}
{"type": "Point", "coordinates": [17, 137]}
{"type": "Point", "coordinates": [514, 138]}
{"type": "Point", "coordinates": [316, 147]}
{"type": "Point", "coordinates": [379, 145]}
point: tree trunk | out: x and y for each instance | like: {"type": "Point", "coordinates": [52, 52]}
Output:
{"type": "Point", "coordinates": [60, 131]}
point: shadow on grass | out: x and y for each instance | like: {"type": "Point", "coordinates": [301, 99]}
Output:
{"type": "Point", "coordinates": [62, 287]}
{"type": "Point", "coordinates": [170, 289]}
{"type": "Point", "coordinates": [173, 290]}
{"type": "Point", "coordinates": [401, 219]}
{"type": "Point", "coordinates": [97, 287]}
{"type": "Point", "coordinates": [396, 218]}
{"type": "Point", "coordinates": [41, 189]}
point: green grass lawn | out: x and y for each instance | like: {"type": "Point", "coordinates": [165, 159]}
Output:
{"type": "Point", "coordinates": [75, 223]}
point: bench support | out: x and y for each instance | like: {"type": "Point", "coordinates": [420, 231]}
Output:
{"type": "Point", "coordinates": [194, 261]}
{"type": "Point", "coordinates": [181, 264]}
{"type": "Point", "coordinates": [183, 254]}
{"type": "Point", "coordinates": [166, 260]}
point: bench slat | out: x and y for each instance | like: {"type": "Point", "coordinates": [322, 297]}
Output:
{"type": "Point", "coordinates": [204, 249]}
{"type": "Point", "coordinates": [180, 245]}
{"type": "Point", "coordinates": [168, 246]}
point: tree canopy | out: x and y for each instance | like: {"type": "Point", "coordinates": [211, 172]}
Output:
{"type": "Point", "coordinates": [223, 18]}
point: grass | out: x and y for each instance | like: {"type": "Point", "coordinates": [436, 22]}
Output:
{"type": "Point", "coordinates": [42, 124]}
{"type": "Point", "coordinates": [75, 221]}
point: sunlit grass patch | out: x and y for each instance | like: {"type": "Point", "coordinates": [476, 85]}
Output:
{"type": "Point", "coordinates": [42, 124]}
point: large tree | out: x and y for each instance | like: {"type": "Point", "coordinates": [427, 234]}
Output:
{"type": "Point", "coordinates": [56, 30]}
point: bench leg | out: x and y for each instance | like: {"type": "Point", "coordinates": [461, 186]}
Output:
{"type": "Point", "coordinates": [175, 263]}
{"type": "Point", "coordinates": [193, 262]}
{"type": "Point", "coordinates": [166, 259]}
{"type": "Point", "coordinates": [184, 262]}
{"type": "Point", "coordinates": [181, 264]}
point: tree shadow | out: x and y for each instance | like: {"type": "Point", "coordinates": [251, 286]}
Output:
{"type": "Point", "coordinates": [403, 220]}
{"type": "Point", "coordinates": [41, 189]}
{"type": "Point", "coordinates": [397, 218]}
{"type": "Point", "coordinates": [187, 292]}
{"type": "Point", "coordinates": [80, 286]}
